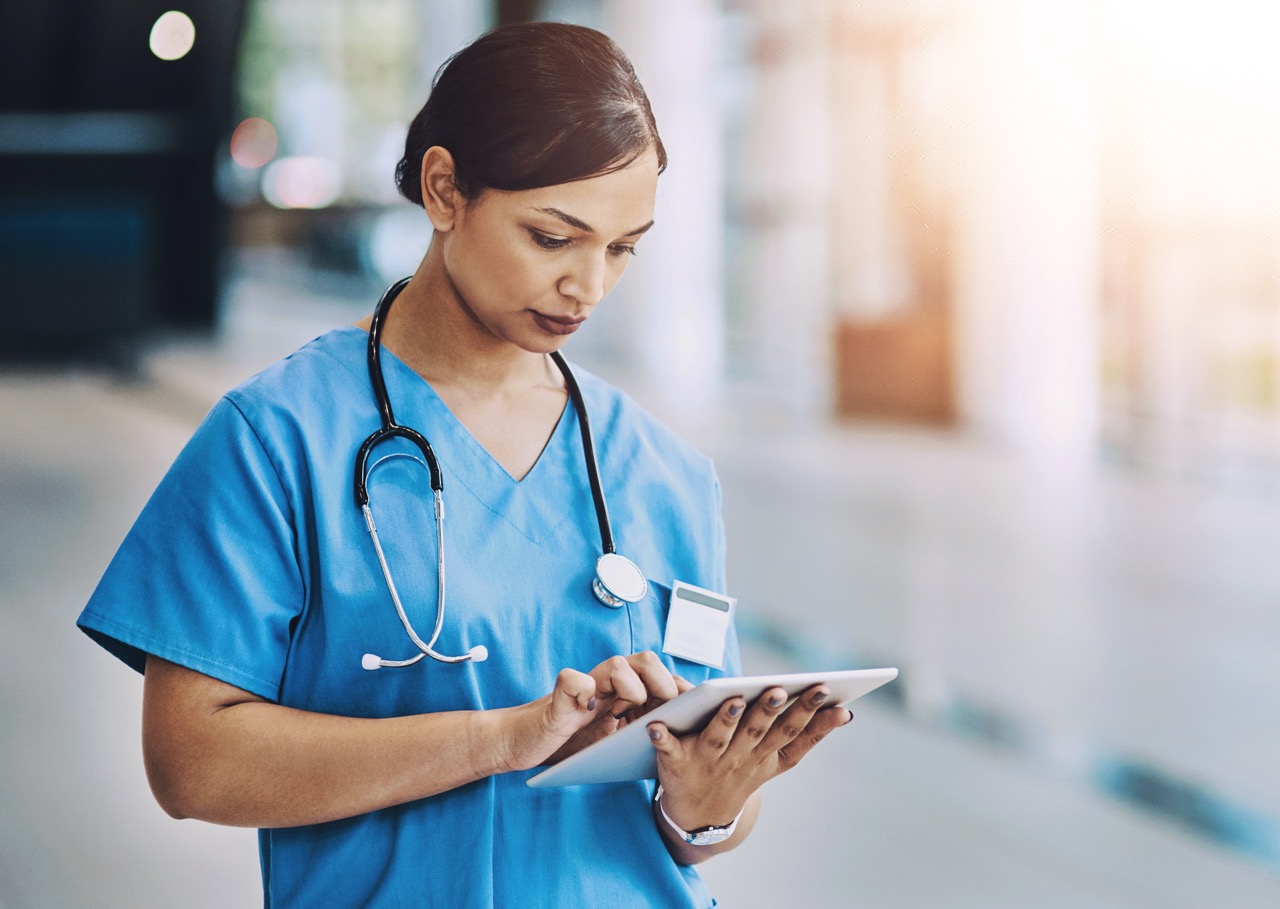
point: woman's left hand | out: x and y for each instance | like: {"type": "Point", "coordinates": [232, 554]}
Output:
{"type": "Point", "coordinates": [708, 776]}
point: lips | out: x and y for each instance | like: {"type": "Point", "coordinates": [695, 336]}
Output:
{"type": "Point", "coordinates": [557, 325]}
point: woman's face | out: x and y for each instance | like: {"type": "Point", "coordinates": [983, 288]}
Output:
{"type": "Point", "coordinates": [530, 266]}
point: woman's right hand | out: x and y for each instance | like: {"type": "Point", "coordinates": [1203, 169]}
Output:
{"type": "Point", "coordinates": [587, 706]}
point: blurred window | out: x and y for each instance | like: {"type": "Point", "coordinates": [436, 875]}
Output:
{"type": "Point", "coordinates": [335, 80]}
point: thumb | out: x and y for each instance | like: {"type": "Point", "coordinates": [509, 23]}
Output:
{"type": "Point", "coordinates": [575, 693]}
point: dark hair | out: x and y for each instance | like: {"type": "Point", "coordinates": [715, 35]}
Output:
{"type": "Point", "coordinates": [532, 104]}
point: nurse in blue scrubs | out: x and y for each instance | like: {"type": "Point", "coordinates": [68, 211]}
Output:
{"type": "Point", "coordinates": [249, 591]}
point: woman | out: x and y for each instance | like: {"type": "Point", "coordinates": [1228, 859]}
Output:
{"type": "Point", "coordinates": [253, 597]}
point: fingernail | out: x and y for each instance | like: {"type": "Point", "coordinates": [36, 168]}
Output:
{"type": "Point", "coordinates": [735, 710]}
{"type": "Point", "coordinates": [618, 716]}
{"type": "Point", "coordinates": [776, 700]}
{"type": "Point", "coordinates": [820, 697]}
{"type": "Point", "coordinates": [655, 733]}
{"type": "Point", "coordinates": [850, 720]}
{"type": "Point", "coordinates": [591, 704]}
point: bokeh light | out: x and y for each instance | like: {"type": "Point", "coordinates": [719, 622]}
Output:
{"type": "Point", "coordinates": [173, 35]}
{"type": "Point", "coordinates": [302, 182]}
{"type": "Point", "coordinates": [254, 143]}
{"type": "Point", "coordinates": [396, 241]}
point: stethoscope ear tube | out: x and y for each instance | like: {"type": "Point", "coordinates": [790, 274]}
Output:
{"type": "Point", "coordinates": [389, 426]}
{"type": "Point", "coordinates": [390, 429]}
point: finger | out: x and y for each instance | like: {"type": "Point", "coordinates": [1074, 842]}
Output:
{"type": "Point", "coordinates": [683, 684]}
{"type": "Point", "coordinates": [663, 741]}
{"type": "Point", "coordinates": [658, 681]}
{"type": "Point", "coordinates": [756, 722]}
{"type": "Point", "coordinates": [575, 693]}
{"type": "Point", "coordinates": [822, 723]}
{"type": "Point", "coordinates": [794, 721]}
{"type": "Point", "coordinates": [715, 738]}
{"type": "Point", "coordinates": [619, 685]}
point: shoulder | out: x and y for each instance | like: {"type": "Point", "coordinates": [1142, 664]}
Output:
{"type": "Point", "coordinates": [322, 376]}
{"type": "Point", "coordinates": [631, 438]}
{"type": "Point", "coordinates": [297, 411]}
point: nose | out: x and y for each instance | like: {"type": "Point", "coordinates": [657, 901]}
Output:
{"type": "Point", "coordinates": [585, 282]}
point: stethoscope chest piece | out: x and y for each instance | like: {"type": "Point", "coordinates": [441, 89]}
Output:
{"type": "Point", "coordinates": [618, 581]}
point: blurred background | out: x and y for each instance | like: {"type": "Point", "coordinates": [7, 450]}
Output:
{"type": "Point", "coordinates": [976, 303]}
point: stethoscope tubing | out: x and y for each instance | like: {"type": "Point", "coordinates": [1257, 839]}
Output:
{"type": "Point", "coordinates": [428, 647]}
{"type": "Point", "coordinates": [588, 453]}
{"type": "Point", "coordinates": [391, 429]}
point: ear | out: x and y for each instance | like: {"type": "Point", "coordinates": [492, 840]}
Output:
{"type": "Point", "coordinates": [440, 195]}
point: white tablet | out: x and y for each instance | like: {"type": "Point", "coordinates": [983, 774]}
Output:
{"type": "Point", "coordinates": [628, 754]}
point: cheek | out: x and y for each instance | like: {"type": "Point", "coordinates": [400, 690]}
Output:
{"type": "Point", "coordinates": [500, 271]}
{"type": "Point", "coordinates": [523, 275]}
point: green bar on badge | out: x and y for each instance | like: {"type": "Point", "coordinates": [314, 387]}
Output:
{"type": "Point", "coordinates": [703, 599]}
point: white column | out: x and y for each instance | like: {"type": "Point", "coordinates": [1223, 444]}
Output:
{"type": "Point", "coordinates": [787, 192]}
{"type": "Point", "coordinates": [672, 292]}
{"type": "Point", "coordinates": [870, 275]}
{"type": "Point", "coordinates": [446, 26]}
{"type": "Point", "coordinates": [1027, 300]}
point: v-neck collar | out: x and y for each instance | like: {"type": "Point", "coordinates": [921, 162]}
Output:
{"type": "Point", "coordinates": [537, 503]}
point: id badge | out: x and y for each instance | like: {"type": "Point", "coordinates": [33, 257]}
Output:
{"type": "Point", "coordinates": [698, 624]}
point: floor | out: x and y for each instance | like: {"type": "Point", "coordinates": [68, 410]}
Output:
{"type": "Point", "coordinates": [1087, 714]}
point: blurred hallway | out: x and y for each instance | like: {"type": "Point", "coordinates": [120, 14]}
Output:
{"type": "Point", "coordinates": [1061, 635]}
{"type": "Point", "coordinates": [1052, 228]}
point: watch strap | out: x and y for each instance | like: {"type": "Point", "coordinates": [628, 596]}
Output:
{"type": "Point", "coordinates": [703, 836]}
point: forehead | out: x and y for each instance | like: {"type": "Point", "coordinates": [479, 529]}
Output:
{"type": "Point", "coordinates": [611, 204]}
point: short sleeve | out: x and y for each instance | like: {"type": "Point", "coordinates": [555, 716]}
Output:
{"type": "Point", "coordinates": [209, 575]}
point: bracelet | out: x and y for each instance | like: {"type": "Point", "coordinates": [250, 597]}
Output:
{"type": "Point", "coordinates": [704, 836]}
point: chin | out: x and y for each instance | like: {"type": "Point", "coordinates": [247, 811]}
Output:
{"type": "Point", "coordinates": [543, 345]}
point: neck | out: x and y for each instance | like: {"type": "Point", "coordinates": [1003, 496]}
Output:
{"type": "Point", "coordinates": [431, 329]}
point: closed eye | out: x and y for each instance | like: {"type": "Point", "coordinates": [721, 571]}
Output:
{"type": "Point", "coordinates": [547, 241]}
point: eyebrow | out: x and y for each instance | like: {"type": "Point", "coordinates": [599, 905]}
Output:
{"type": "Point", "coordinates": [583, 225]}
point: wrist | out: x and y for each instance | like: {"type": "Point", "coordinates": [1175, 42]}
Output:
{"type": "Point", "coordinates": [700, 833]}
{"type": "Point", "coordinates": [698, 811]}
{"type": "Point", "coordinates": [506, 733]}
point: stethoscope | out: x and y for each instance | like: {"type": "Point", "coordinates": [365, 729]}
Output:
{"type": "Point", "coordinates": [617, 579]}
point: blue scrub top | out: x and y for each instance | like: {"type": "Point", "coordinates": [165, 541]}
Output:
{"type": "Point", "coordinates": [252, 564]}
